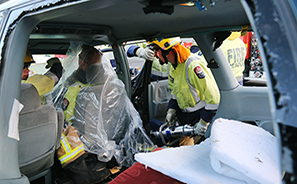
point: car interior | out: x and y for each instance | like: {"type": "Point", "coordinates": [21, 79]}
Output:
{"type": "Point", "coordinates": [50, 27]}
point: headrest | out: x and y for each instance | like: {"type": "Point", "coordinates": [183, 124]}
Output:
{"type": "Point", "coordinates": [95, 74]}
{"type": "Point", "coordinates": [29, 97]}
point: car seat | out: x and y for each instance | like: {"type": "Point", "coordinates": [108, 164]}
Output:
{"type": "Point", "coordinates": [159, 95]}
{"type": "Point", "coordinates": [40, 129]}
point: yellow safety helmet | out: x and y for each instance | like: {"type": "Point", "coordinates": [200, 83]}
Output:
{"type": "Point", "coordinates": [165, 43]}
{"type": "Point", "coordinates": [29, 57]}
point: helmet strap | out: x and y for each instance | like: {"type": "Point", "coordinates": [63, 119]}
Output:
{"type": "Point", "coordinates": [164, 54]}
{"type": "Point", "coordinates": [176, 60]}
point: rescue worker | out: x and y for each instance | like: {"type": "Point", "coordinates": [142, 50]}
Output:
{"type": "Point", "coordinates": [44, 83]}
{"type": "Point", "coordinates": [159, 70]}
{"type": "Point", "coordinates": [27, 63]}
{"type": "Point", "coordinates": [235, 52]}
{"type": "Point", "coordinates": [82, 166]}
{"type": "Point", "coordinates": [195, 95]}
{"type": "Point", "coordinates": [87, 57]}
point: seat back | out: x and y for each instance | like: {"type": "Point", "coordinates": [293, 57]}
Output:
{"type": "Point", "coordinates": [158, 97]}
{"type": "Point", "coordinates": [38, 127]}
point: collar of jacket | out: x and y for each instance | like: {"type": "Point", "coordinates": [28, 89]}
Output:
{"type": "Point", "coordinates": [182, 53]}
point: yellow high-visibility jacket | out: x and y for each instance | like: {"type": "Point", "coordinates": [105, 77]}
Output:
{"type": "Point", "coordinates": [43, 83]}
{"type": "Point", "coordinates": [69, 100]}
{"type": "Point", "coordinates": [158, 69]}
{"type": "Point", "coordinates": [71, 147]}
{"type": "Point", "coordinates": [235, 52]}
{"type": "Point", "coordinates": [193, 85]}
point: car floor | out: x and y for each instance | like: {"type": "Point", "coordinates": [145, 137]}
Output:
{"type": "Point", "coordinates": [61, 177]}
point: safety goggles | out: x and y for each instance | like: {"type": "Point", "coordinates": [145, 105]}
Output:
{"type": "Point", "coordinates": [156, 49]}
{"type": "Point", "coordinates": [80, 58]}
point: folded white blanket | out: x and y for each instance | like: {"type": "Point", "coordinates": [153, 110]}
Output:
{"type": "Point", "coordinates": [245, 152]}
{"type": "Point", "coordinates": [235, 153]}
{"type": "Point", "coordinates": [189, 164]}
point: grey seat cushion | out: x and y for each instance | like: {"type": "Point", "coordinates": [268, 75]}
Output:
{"type": "Point", "coordinates": [38, 133]}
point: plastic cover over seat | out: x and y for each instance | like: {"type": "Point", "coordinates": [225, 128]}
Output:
{"type": "Point", "coordinates": [38, 128]}
{"type": "Point", "coordinates": [105, 117]}
{"type": "Point", "coordinates": [116, 120]}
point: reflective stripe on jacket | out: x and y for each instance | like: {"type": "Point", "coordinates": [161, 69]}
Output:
{"type": "Point", "coordinates": [193, 85]}
{"type": "Point", "coordinates": [71, 147]}
{"type": "Point", "coordinates": [158, 69]}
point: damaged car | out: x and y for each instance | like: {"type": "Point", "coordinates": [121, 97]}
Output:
{"type": "Point", "coordinates": [108, 127]}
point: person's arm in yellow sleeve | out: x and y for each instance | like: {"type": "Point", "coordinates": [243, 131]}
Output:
{"type": "Point", "coordinates": [203, 81]}
{"type": "Point", "coordinates": [46, 82]}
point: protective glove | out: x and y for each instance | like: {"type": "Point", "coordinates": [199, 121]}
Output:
{"type": "Point", "coordinates": [171, 117]}
{"type": "Point", "coordinates": [146, 53]}
{"type": "Point", "coordinates": [57, 69]}
{"type": "Point", "coordinates": [50, 62]}
{"type": "Point", "coordinates": [201, 127]}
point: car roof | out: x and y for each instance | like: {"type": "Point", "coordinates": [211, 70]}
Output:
{"type": "Point", "coordinates": [117, 21]}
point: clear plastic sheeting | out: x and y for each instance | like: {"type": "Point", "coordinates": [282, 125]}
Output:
{"type": "Point", "coordinates": [95, 103]}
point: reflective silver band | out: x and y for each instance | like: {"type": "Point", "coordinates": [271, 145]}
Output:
{"type": "Point", "coordinates": [158, 73]}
